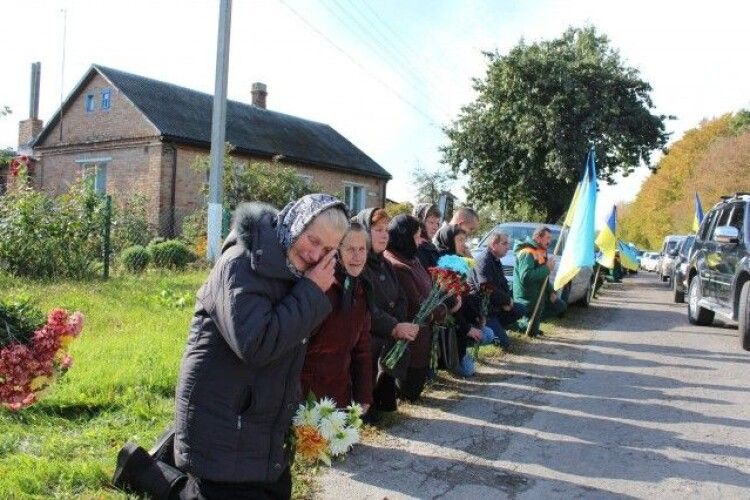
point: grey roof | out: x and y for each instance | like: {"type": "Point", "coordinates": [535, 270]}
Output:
{"type": "Point", "coordinates": [183, 115]}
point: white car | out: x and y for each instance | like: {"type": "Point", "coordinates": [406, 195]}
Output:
{"type": "Point", "coordinates": [650, 261]}
{"type": "Point", "coordinates": [577, 291]}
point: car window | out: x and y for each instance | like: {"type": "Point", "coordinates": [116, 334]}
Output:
{"type": "Point", "coordinates": [738, 217]}
{"type": "Point", "coordinates": [520, 233]}
{"type": "Point", "coordinates": [721, 220]}
{"type": "Point", "coordinates": [707, 226]}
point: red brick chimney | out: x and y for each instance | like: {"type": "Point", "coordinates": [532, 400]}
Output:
{"type": "Point", "coordinates": [258, 90]}
{"type": "Point", "coordinates": [30, 128]}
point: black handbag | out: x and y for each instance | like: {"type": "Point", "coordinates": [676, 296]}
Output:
{"type": "Point", "coordinates": [447, 346]}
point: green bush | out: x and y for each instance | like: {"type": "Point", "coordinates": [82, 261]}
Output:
{"type": "Point", "coordinates": [51, 237]}
{"type": "Point", "coordinates": [19, 319]}
{"type": "Point", "coordinates": [130, 225]}
{"type": "Point", "coordinates": [135, 259]}
{"type": "Point", "coordinates": [171, 254]}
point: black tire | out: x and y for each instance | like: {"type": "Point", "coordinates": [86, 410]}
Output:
{"type": "Point", "coordinates": [698, 315]}
{"type": "Point", "coordinates": [679, 295]}
{"type": "Point", "coordinates": [744, 316]}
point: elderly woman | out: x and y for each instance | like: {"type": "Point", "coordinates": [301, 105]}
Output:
{"type": "Point", "coordinates": [403, 238]}
{"type": "Point", "coordinates": [389, 314]}
{"type": "Point", "coordinates": [429, 216]}
{"type": "Point", "coordinates": [338, 362]}
{"type": "Point", "coordinates": [238, 386]}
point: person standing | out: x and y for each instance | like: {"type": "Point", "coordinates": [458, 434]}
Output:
{"type": "Point", "coordinates": [532, 270]}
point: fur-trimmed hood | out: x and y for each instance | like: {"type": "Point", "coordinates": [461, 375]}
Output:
{"type": "Point", "coordinates": [254, 231]}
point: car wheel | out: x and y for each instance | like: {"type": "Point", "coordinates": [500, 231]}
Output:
{"type": "Point", "coordinates": [698, 315]}
{"type": "Point", "coordinates": [679, 295]}
{"type": "Point", "coordinates": [744, 316]}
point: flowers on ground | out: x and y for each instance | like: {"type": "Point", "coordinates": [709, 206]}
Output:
{"type": "Point", "coordinates": [33, 353]}
{"type": "Point", "coordinates": [321, 431]}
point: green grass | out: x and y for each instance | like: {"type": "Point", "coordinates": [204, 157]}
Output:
{"type": "Point", "coordinates": [120, 387]}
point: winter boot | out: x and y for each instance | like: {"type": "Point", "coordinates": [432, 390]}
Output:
{"type": "Point", "coordinates": [139, 473]}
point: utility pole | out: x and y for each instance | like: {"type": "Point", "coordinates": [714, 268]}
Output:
{"type": "Point", "coordinates": [218, 132]}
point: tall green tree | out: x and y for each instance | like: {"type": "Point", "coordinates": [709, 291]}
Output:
{"type": "Point", "coordinates": [537, 111]}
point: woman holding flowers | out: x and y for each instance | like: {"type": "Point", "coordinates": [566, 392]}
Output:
{"type": "Point", "coordinates": [403, 238]}
{"type": "Point", "coordinates": [450, 240]}
{"type": "Point", "coordinates": [429, 216]}
{"type": "Point", "coordinates": [389, 314]}
{"type": "Point", "coordinates": [238, 387]}
{"type": "Point", "coordinates": [338, 362]}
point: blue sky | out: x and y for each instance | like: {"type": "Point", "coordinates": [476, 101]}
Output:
{"type": "Point", "coordinates": [386, 74]}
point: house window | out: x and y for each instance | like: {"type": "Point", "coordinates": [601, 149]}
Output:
{"type": "Point", "coordinates": [90, 103]}
{"type": "Point", "coordinates": [354, 197]}
{"type": "Point", "coordinates": [307, 179]}
{"type": "Point", "coordinates": [95, 176]}
{"type": "Point", "coordinates": [106, 99]}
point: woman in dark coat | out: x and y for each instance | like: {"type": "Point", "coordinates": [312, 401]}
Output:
{"type": "Point", "coordinates": [429, 216]}
{"type": "Point", "coordinates": [403, 234]}
{"type": "Point", "coordinates": [450, 240]}
{"type": "Point", "coordinates": [338, 361]}
{"type": "Point", "coordinates": [238, 386]}
{"type": "Point", "coordinates": [389, 316]}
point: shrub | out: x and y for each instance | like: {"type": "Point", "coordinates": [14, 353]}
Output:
{"type": "Point", "coordinates": [46, 237]}
{"type": "Point", "coordinates": [135, 259]}
{"type": "Point", "coordinates": [130, 225]}
{"type": "Point", "coordinates": [171, 254]}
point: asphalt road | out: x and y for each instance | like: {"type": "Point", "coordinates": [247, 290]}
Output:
{"type": "Point", "coordinates": [626, 399]}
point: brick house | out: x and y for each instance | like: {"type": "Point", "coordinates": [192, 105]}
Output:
{"type": "Point", "coordinates": [138, 135]}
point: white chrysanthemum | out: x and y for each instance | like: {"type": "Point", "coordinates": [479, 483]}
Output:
{"type": "Point", "coordinates": [307, 416]}
{"type": "Point", "coordinates": [326, 406]}
{"type": "Point", "coordinates": [351, 435]}
{"type": "Point", "coordinates": [332, 424]}
{"type": "Point", "coordinates": [338, 446]}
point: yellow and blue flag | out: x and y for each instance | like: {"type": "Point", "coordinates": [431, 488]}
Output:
{"type": "Point", "coordinates": [607, 240]}
{"type": "Point", "coordinates": [698, 217]}
{"type": "Point", "coordinates": [579, 248]}
{"type": "Point", "coordinates": [628, 257]}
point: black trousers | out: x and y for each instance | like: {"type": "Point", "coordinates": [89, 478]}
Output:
{"type": "Point", "coordinates": [411, 387]}
{"type": "Point", "coordinates": [201, 489]}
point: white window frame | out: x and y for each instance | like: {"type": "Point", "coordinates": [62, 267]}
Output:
{"type": "Point", "coordinates": [98, 168]}
{"type": "Point", "coordinates": [349, 193]}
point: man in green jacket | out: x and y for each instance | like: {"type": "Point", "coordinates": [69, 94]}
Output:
{"type": "Point", "coordinates": [531, 273]}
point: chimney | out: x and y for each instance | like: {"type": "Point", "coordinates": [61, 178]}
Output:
{"type": "Point", "coordinates": [30, 128]}
{"type": "Point", "coordinates": [258, 90]}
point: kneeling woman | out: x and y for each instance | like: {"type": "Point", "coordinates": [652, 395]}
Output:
{"type": "Point", "coordinates": [338, 364]}
{"type": "Point", "coordinates": [404, 234]}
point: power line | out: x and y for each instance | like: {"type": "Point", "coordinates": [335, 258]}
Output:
{"type": "Point", "coordinates": [424, 114]}
{"type": "Point", "coordinates": [366, 36]}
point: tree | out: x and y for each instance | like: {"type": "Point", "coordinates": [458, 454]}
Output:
{"type": "Point", "coordinates": [538, 110]}
{"type": "Point", "coordinates": [394, 209]}
{"type": "Point", "coordinates": [270, 183]}
{"type": "Point", "coordinates": [431, 184]}
{"type": "Point", "coordinates": [712, 159]}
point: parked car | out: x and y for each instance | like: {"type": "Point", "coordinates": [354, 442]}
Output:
{"type": "Point", "coordinates": [719, 266]}
{"type": "Point", "coordinates": [579, 290]}
{"type": "Point", "coordinates": [679, 269]}
{"type": "Point", "coordinates": [650, 261]}
{"type": "Point", "coordinates": [668, 254]}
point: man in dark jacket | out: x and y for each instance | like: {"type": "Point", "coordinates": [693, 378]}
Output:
{"type": "Point", "coordinates": [488, 271]}
{"type": "Point", "coordinates": [238, 386]}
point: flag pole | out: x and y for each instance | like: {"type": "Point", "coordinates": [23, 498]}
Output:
{"type": "Point", "coordinates": [532, 319]}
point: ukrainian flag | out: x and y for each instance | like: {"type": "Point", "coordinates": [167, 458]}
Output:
{"type": "Point", "coordinates": [628, 257]}
{"type": "Point", "coordinates": [607, 240]}
{"type": "Point", "coordinates": [698, 217]}
{"type": "Point", "coordinates": [579, 248]}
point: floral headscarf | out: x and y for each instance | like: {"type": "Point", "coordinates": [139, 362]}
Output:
{"type": "Point", "coordinates": [297, 215]}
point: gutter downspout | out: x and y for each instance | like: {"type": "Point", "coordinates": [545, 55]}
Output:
{"type": "Point", "coordinates": [172, 192]}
